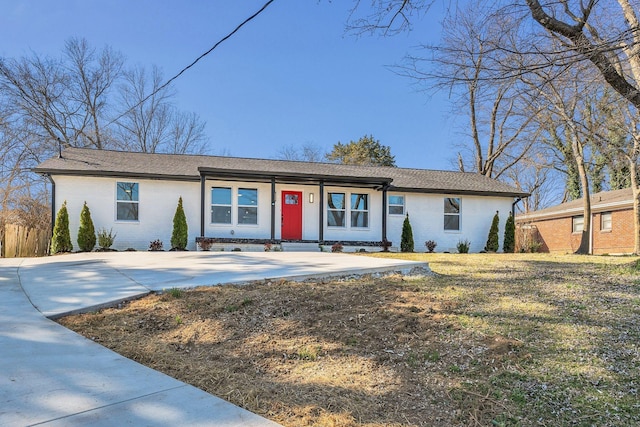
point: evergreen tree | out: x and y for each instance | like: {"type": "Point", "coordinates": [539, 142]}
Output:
{"type": "Point", "coordinates": [406, 241]}
{"type": "Point", "coordinates": [493, 239]}
{"type": "Point", "coordinates": [86, 232]}
{"type": "Point", "coordinates": [61, 239]}
{"type": "Point", "coordinates": [180, 234]}
{"type": "Point", "coordinates": [366, 151]}
{"type": "Point", "coordinates": [509, 242]}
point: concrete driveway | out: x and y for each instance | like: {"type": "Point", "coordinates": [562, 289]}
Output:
{"type": "Point", "coordinates": [52, 376]}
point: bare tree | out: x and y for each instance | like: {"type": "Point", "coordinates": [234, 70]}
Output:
{"type": "Point", "coordinates": [307, 152]}
{"type": "Point", "coordinates": [150, 122]}
{"type": "Point", "coordinates": [500, 117]}
{"type": "Point", "coordinates": [91, 78]}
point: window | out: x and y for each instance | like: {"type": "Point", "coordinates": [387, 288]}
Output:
{"type": "Point", "coordinates": [577, 224]}
{"type": "Point", "coordinates": [221, 205]}
{"type": "Point", "coordinates": [396, 205]}
{"type": "Point", "coordinates": [247, 206]}
{"type": "Point", "coordinates": [336, 209]}
{"type": "Point", "coordinates": [605, 221]}
{"type": "Point", "coordinates": [359, 210]}
{"type": "Point", "coordinates": [452, 213]}
{"type": "Point", "coordinates": [127, 201]}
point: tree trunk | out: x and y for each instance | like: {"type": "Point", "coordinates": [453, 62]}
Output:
{"type": "Point", "coordinates": [584, 247]}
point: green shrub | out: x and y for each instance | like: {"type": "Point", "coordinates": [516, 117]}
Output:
{"type": "Point", "coordinates": [509, 242]}
{"type": "Point", "coordinates": [86, 232]}
{"type": "Point", "coordinates": [180, 235]}
{"type": "Point", "coordinates": [406, 240]}
{"type": "Point", "coordinates": [155, 245]}
{"type": "Point", "coordinates": [106, 238]}
{"type": "Point", "coordinates": [463, 246]}
{"type": "Point", "coordinates": [61, 240]}
{"type": "Point", "coordinates": [431, 245]}
{"type": "Point", "coordinates": [493, 239]}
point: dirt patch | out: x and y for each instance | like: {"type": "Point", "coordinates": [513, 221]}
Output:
{"type": "Point", "coordinates": [447, 349]}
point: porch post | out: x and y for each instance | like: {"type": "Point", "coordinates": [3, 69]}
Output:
{"type": "Point", "coordinates": [384, 214]}
{"type": "Point", "coordinates": [321, 213]}
{"type": "Point", "coordinates": [273, 208]}
{"type": "Point", "coordinates": [202, 187]}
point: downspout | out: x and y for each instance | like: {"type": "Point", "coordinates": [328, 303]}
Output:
{"type": "Point", "coordinates": [591, 234]}
{"type": "Point", "coordinates": [513, 208]}
{"type": "Point", "coordinates": [53, 202]}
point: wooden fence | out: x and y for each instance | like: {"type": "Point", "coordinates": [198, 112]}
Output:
{"type": "Point", "coordinates": [19, 241]}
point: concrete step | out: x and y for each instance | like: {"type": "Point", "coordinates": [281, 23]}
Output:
{"type": "Point", "coordinates": [299, 247]}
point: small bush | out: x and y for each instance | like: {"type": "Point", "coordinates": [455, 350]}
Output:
{"type": "Point", "coordinates": [267, 247]}
{"type": "Point", "coordinates": [175, 292]}
{"type": "Point", "coordinates": [337, 247]}
{"type": "Point", "coordinates": [180, 234]}
{"type": "Point", "coordinates": [406, 240]}
{"type": "Point", "coordinates": [86, 232]}
{"type": "Point", "coordinates": [205, 244]}
{"type": "Point", "coordinates": [106, 238]}
{"type": "Point", "coordinates": [463, 246]}
{"type": "Point", "coordinates": [509, 242]}
{"type": "Point", "coordinates": [386, 245]}
{"type": "Point", "coordinates": [431, 245]}
{"type": "Point", "coordinates": [155, 245]}
{"type": "Point", "coordinates": [236, 250]}
{"type": "Point", "coordinates": [61, 240]}
{"type": "Point", "coordinates": [493, 239]}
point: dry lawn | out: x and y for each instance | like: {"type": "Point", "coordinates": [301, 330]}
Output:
{"type": "Point", "coordinates": [489, 340]}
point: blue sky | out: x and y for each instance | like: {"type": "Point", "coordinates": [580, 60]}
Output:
{"type": "Point", "coordinates": [291, 76]}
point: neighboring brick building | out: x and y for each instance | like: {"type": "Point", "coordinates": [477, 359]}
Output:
{"type": "Point", "coordinates": [559, 228]}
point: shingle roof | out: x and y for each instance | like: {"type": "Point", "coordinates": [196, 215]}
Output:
{"type": "Point", "coordinates": [600, 202]}
{"type": "Point", "coordinates": [88, 162]}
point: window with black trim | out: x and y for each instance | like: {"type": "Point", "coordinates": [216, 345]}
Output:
{"type": "Point", "coordinates": [452, 213]}
{"type": "Point", "coordinates": [336, 209]}
{"type": "Point", "coordinates": [221, 205]}
{"type": "Point", "coordinates": [396, 205]}
{"type": "Point", "coordinates": [127, 201]}
{"type": "Point", "coordinates": [359, 210]}
{"type": "Point", "coordinates": [248, 206]}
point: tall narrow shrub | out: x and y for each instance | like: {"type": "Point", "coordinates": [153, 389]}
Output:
{"type": "Point", "coordinates": [61, 239]}
{"type": "Point", "coordinates": [509, 242]}
{"type": "Point", "coordinates": [180, 234]}
{"type": "Point", "coordinates": [86, 232]}
{"type": "Point", "coordinates": [493, 238]}
{"type": "Point", "coordinates": [406, 241]}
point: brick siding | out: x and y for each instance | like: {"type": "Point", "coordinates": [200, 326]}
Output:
{"type": "Point", "coordinates": [557, 237]}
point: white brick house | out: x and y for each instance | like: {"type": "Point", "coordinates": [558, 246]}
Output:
{"type": "Point", "coordinates": [243, 201]}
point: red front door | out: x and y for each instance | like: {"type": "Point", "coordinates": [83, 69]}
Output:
{"type": "Point", "coordinates": [291, 215]}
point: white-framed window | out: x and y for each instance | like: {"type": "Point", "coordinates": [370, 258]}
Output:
{"type": "Point", "coordinates": [605, 221]}
{"type": "Point", "coordinates": [396, 205]}
{"type": "Point", "coordinates": [577, 224]}
{"type": "Point", "coordinates": [248, 206]}
{"type": "Point", "coordinates": [221, 205]}
{"type": "Point", "coordinates": [359, 210]}
{"type": "Point", "coordinates": [336, 209]}
{"type": "Point", "coordinates": [452, 213]}
{"type": "Point", "coordinates": [127, 201]}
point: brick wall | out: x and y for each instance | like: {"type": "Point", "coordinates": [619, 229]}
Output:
{"type": "Point", "coordinates": [557, 236]}
{"type": "Point", "coordinates": [619, 239]}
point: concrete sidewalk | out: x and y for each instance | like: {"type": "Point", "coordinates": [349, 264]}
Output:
{"type": "Point", "coordinates": [52, 376]}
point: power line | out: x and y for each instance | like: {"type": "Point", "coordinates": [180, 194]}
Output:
{"type": "Point", "coordinates": [168, 82]}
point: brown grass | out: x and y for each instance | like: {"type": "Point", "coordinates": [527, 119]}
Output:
{"type": "Point", "coordinates": [490, 340]}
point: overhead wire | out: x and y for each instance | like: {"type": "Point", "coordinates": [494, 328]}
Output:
{"type": "Point", "coordinates": [218, 43]}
